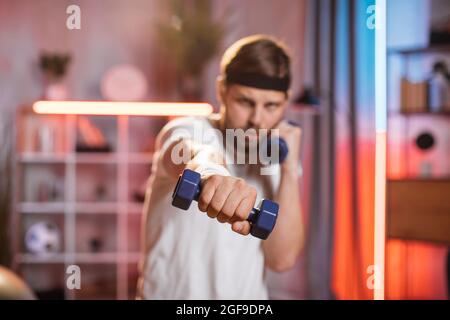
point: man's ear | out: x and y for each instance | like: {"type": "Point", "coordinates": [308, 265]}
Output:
{"type": "Point", "coordinates": [288, 95]}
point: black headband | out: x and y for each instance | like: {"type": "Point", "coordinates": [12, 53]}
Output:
{"type": "Point", "coordinates": [260, 81]}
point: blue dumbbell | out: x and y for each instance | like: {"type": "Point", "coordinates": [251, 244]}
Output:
{"type": "Point", "coordinates": [281, 146]}
{"type": "Point", "coordinates": [188, 189]}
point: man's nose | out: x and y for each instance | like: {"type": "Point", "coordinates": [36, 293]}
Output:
{"type": "Point", "coordinates": [256, 117]}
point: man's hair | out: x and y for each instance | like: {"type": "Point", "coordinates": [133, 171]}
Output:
{"type": "Point", "coordinates": [258, 54]}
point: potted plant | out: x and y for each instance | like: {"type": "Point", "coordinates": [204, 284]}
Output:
{"type": "Point", "coordinates": [190, 38]}
{"type": "Point", "coordinates": [54, 67]}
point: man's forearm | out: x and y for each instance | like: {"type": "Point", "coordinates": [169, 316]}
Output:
{"type": "Point", "coordinates": [284, 244]}
{"type": "Point", "coordinates": [195, 156]}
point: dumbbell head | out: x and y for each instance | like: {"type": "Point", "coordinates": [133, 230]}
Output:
{"type": "Point", "coordinates": [264, 222]}
{"type": "Point", "coordinates": [280, 148]}
{"type": "Point", "coordinates": [187, 189]}
{"type": "Point", "coordinates": [280, 145]}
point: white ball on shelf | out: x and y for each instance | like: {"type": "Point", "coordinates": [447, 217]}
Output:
{"type": "Point", "coordinates": [43, 238]}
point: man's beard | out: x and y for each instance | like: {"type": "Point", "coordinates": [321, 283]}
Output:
{"type": "Point", "coordinates": [249, 148]}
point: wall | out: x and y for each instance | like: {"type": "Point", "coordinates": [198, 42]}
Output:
{"type": "Point", "coordinates": [120, 31]}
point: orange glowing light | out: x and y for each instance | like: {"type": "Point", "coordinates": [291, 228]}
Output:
{"type": "Point", "coordinates": [122, 108]}
{"type": "Point", "coordinates": [380, 214]}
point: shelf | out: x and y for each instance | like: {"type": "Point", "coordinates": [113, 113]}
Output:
{"type": "Point", "coordinates": [108, 207]}
{"type": "Point", "coordinates": [41, 207]}
{"type": "Point", "coordinates": [112, 158]}
{"type": "Point", "coordinates": [109, 257]}
{"type": "Point", "coordinates": [37, 157]}
{"type": "Point", "coordinates": [94, 258]}
{"type": "Point", "coordinates": [80, 207]}
{"type": "Point", "coordinates": [33, 258]}
{"type": "Point", "coordinates": [96, 207]}
{"type": "Point", "coordinates": [443, 113]}
{"type": "Point", "coordinates": [418, 179]}
{"type": "Point", "coordinates": [85, 158]}
{"type": "Point", "coordinates": [94, 203]}
{"type": "Point", "coordinates": [430, 49]}
{"type": "Point", "coordinates": [96, 158]}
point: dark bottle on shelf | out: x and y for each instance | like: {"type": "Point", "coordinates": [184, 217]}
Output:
{"type": "Point", "coordinates": [438, 88]}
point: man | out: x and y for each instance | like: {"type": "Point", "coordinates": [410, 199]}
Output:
{"type": "Point", "coordinates": [186, 254]}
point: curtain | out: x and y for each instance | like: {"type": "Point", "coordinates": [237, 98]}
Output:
{"type": "Point", "coordinates": [340, 241]}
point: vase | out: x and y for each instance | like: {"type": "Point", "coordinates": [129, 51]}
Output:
{"type": "Point", "coordinates": [55, 88]}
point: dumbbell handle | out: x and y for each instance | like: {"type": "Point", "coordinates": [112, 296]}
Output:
{"type": "Point", "coordinates": [188, 189]}
{"type": "Point", "coordinates": [251, 217]}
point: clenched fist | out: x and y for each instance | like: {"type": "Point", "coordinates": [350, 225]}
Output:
{"type": "Point", "coordinates": [228, 199]}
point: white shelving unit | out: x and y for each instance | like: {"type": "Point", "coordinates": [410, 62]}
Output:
{"type": "Point", "coordinates": [116, 217]}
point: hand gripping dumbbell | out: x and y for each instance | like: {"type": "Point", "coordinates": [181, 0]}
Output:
{"type": "Point", "coordinates": [188, 188]}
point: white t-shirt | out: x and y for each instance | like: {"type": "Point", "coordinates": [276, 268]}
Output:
{"type": "Point", "coordinates": [186, 254]}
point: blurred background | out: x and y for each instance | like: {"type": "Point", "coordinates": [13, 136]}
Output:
{"type": "Point", "coordinates": [72, 186]}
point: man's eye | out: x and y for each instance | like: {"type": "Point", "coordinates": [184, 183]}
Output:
{"type": "Point", "coordinates": [245, 102]}
{"type": "Point", "coordinates": [272, 106]}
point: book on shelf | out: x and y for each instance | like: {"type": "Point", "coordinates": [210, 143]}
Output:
{"type": "Point", "coordinates": [414, 96]}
